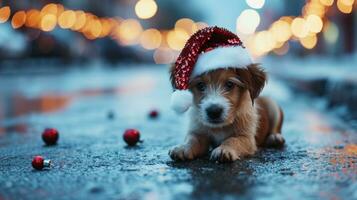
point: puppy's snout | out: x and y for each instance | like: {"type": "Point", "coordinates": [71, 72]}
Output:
{"type": "Point", "coordinates": [214, 112]}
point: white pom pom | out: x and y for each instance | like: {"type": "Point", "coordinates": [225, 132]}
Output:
{"type": "Point", "coordinates": [181, 100]}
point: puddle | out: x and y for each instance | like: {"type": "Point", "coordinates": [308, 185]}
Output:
{"type": "Point", "coordinates": [15, 105]}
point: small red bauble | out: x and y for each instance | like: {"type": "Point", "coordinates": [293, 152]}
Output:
{"type": "Point", "coordinates": [153, 114]}
{"type": "Point", "coordinates": [50, 136]}
{"type": "Point", "coordinates": [131, 136]}
{"type": "Point", "coordinates": [39, 163]}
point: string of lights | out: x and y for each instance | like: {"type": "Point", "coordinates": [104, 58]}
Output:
{"type": "Point", "coordinates": [167, 43]}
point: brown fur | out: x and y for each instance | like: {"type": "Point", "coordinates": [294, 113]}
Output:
{"type": "Point", "coordinates": [251, 121]}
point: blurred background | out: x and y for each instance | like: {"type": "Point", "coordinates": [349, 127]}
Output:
{"type": "Point", "coordinates": [310, 45]}
{"type": "Point", "coordinates": [156, 30]}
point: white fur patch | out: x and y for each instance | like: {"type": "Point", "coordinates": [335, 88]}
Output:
{"type": "Point", "coordinates": [214, 96]}
{"type": "Point", "coordinates": [222, 57]}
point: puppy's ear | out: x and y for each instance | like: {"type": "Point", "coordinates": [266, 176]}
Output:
{"type": "Point", "coordinates": [258, 79]}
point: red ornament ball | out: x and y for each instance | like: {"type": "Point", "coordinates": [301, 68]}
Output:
{"type": "Point", "coordinates": [50, 136]}
{"type": "Point", "coordinates": [153, 114]}
{"type": "Point", "coordinates": [131, 136]}
{"type": "Point", "coordinates": [39, 163]}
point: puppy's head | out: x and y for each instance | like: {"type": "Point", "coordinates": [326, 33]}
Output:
{"type": "Point", "coordinates": [219, 94]}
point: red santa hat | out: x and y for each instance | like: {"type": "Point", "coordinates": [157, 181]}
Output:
{"type": "Point", "coordinates": [208, 49]}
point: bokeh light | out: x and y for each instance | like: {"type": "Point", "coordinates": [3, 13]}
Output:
{"type": "Point", "coordinates": [67, 19]}
{"type": "Point", "coordinates": [19, 19]}
{"type": "Point", "coordinates": [164, 55]}
{"type": "Point", "coordinates": [256, 4]}
{"type": "Point", "coordinates": [314, 23]}
{"type": "Point", "coordinates": [187, 25]}
{"type": "Point", "coordinates": [33, 18]}
{"type": "Point", "coordinates": [150, 39]}
{"type": "Point", "coordinates": [299, 27]}
{"type": "Point", "coordinates": [345, 6]}
{"type": "Point", "coordinates": [326, 2]}
{"type": "Point", "coordinates": [263, 42]}
{"type": "Point", "coordinates": [4, 14]}
{"type": "Point", "coordinates": [282, 50]}
{"type": "Point", "coordinates": [309, 41]}
{"type": "Point", "coordinates": [347, 2]}
{"type": "Point", "coordinates": [145, 9]}
{"type": "Point", "coordinates": [303, 28]}
{"type": "Point", "coordinates": [49, 9]}
{"type": "Point", "coordinates": [80, 20]}
{"type": "Point", "coordinates": [93, 28]}
{"type": "Point", "coordinates": [281, 30]}
{"type": "Point", "coordinates": [48, 22]}
{"type": "Point", "coordinates": [248, 21]}
{"type": "Point", "coordinates": [106, 27]}
{"type": "Point", "coordinates": [129, 31]}
{"type": "Point", "coordinates": [177, 38]}
{"type": "Point", "coordinates": [330, 33]}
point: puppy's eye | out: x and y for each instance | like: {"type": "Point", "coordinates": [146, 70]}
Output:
{"type": "Point", "coordinates": [229, 85]}
{"type": "Point", "coordinates": [201, 86]}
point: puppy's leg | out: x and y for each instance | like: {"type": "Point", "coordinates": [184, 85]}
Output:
{"type": "Point", "coordinates": [234, 148]}
{"type": "Point", "coordinates": [196, 145]}
{"type": "Point", "coordinates": [276, 118]}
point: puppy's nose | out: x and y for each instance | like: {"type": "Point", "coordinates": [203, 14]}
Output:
{"type": "Point", "coordinates": [214, 111]}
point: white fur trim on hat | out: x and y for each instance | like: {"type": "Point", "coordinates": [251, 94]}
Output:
{"type": "Point", "coordinates": [181, 100]}
{"type": "Point", "coordinates": [221, 57]}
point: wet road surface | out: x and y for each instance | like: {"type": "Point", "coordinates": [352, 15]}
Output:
{"type": "Point", "coordinates": [91, 108]}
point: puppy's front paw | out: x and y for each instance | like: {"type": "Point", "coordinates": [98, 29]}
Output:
{"type": "Point", "coordinates": [224, 154]}
{"type": "Point", "coordinates": [182, 152]}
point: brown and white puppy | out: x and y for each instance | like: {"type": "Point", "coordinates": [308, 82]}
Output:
{"type": "Point", "coordinates": [228, 116]}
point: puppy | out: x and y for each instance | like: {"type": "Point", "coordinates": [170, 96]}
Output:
{"type": "Point", "coordinates": [229, 117]}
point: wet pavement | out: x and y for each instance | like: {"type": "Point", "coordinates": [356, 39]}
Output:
{"type": "Point", "coordinates": [92, 107]}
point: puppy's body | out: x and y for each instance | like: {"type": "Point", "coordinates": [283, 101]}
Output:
{"type": "Point", "coordinates": [229, 117]}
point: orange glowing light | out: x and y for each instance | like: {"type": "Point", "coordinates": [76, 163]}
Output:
{"type": "Point", "coordinates": [106, 27]}
{"type": "Point", "coordinates": [67, 19]}
{"type": "Point", "coordinates": [19, 19]}
{"type": "Point", "coordinates": [60, 9]}
{"type": "Point", "coordinates": [150, 39]}
{"type": "Point", "coordinates": [4, 14]}
{"type": "Point", "coordinates": [48, 22]}
{"type": "Point", "coordinates": [33, 18]}
{"type": "Point", "coordinates": [351, 148]}
{"type": "Point", "coordinates": [264, 42]}
{"type": "Point", "coordinates": [129, 31]}
{"type": "Point", "coordinates": [49, 9]}
{"type": "Point", "coordinates": [344, 6]}
{"type": "Point", "coordinates": [281, 30]}
{"type": "Point", "coordinates": [299, 27]}
{"type": "Point", "coordinates": [309, 42]}
{"type": "Point", "coordinates": [177, 38]}
{"type": "Point", "coordinates": [95, 28]}
{"type": "Point", "coordinates": [80, 20]}
{"type": "Point", "coordinates": [314, 8]}
{"type": "Point", "coordinates": [347, 2]}
{"type": "Point", "coordinates": [282, 50]}
{"type": "Point", "coordinates": [187, 25]}
{"type": "Point", "coordinates": [326, 2]}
